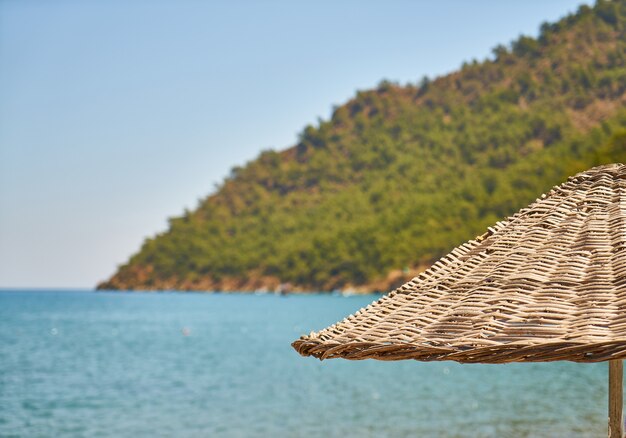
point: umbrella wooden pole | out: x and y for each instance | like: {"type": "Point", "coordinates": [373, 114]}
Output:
{"type": "Point", "coordinates": [615, 398]}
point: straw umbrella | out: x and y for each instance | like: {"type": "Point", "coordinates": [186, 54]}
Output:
{"type": "Point", "coordinates": [546, 284]}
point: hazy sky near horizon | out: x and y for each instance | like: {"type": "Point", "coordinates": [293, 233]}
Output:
{"type": "Point", "coordinates": [117, 115]}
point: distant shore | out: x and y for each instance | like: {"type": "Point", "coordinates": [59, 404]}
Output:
{"type": "Point", "coordinates": [259, 285]}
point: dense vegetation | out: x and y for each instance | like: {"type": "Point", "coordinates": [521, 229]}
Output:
{"type": "Point", "coordinates": [401, 174]}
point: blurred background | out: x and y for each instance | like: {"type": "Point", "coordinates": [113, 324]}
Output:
{"type": "Point", "coordinates": [115, 116]}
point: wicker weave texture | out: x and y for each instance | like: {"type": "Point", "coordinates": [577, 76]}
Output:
{"type": "Point", "coordinates": [548, 283]}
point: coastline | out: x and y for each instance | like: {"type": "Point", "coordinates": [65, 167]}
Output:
{"type": "Point", "coordinates": [257, 284]}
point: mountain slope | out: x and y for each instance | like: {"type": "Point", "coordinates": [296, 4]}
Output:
{"type": "Point", "coordinates": [401, 174]}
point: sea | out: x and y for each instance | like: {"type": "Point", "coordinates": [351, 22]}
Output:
{"type": "Point", "coordinates": [167, 364]}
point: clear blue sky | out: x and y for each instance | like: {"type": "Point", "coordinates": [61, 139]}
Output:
{"type": "Point", "coordinates": [115, 115]}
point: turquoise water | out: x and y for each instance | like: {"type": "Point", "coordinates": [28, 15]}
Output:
{"type": "Point", "coordinates": [195, 365]}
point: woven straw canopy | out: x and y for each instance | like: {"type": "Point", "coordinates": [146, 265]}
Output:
{"type": "Point", "coordinates": [548, 283]}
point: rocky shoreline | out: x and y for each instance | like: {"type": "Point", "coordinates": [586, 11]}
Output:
{"type": "Point", "coordinates": [258, 284]}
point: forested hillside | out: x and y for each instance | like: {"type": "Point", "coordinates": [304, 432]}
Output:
{"type": "Point", "coordinates": [401, 174]}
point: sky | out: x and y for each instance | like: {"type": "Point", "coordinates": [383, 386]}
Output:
{"type": "Point", "coordinates": [115, 115]}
